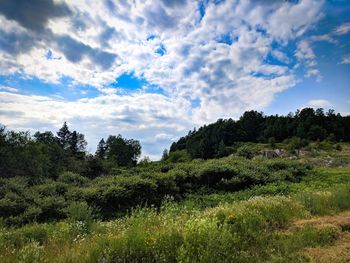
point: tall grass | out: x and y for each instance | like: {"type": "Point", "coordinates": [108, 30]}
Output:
{"type": "Point", "coordinates": [253, 230]}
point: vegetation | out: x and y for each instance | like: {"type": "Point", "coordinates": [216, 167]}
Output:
{"type": "Point", "coordinates": [277, 200]}
{"type": "Point", "coordinates": [47, 156]}
{"type": "Point", "coordinates": [22, 201]}
{"type": "Point", "coordinates": [222, 137]}
{"type": "Point", "coordinates": [261, 228]}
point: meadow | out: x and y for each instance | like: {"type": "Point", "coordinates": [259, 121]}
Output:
{"type": "Point", "coordinates": [223, 210]}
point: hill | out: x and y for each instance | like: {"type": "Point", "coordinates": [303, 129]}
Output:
{"type": "Point", "coordinates": [223, 137]}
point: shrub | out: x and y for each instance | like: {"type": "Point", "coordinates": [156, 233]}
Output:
{"type": "Point", "coordinates": [245, 151]}
{"type": "Point", "coordinates": [80, 216]}
{"type": "Point", "coordinates": [72, 179]}
{"type": "Point", "coordinates": [178, 156]}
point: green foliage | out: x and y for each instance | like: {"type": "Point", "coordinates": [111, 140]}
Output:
{"type": "Point", "coordinates": [207, 142]}
{"type": "Point", "coordinates": [22, 202]}
{"type": "Point", "coordinates": [255, 230]}
{"type": "Point", "coordinates": [272, 142]}
{"type": "Point", "coordinates": [178, 157]}
{"type": "Point", "coordinates": [124, 152]}
{"type": "Point", "coordinates": [80, 216]}
{"type": "Point", "coordinates": [241, 231]}
{"type": "Point", "coordinates": [245, 151]}
{"type": "Point", "coordinates": [32, 252]}
{"type": "Point", "coordinates": [234, 209]}
{"type": "Point", "coordinates": [80, 211]}
{"type": "Point", "coordinates": [72, 179]}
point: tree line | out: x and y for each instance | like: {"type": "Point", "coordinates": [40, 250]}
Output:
{"type": "Point", "coordinates": [218, 139]}
{"type": "Point", "coordinates": [48, 155]}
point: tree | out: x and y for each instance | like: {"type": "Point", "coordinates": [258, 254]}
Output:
{"type": "Point", "coordinates": [101, 149]}
{"type": "Point", "coordinates": [251, 123]}
{"type": "Point", "coordinates": [77, 143]}
{"type": "Point", "coordinates": [222, 150]}
{"type": "Point", "coordinates": [93, 167]}
{"type": "Point", "coordinates": [64, 136]}
{"type": "Point", "coordinates": [165, 155]}
{"type": "Point", "coordinates": [123, 151]}
{"type": "Point", "coordinates": [72, 142]}
{"type": "Point", "coordinates": [317, 133]}
{"type": "Point", "coordinates": [145, 160]}
{"type": "Point", "coordinates": [272, 142]}
{"type": "Point", "coordinates": [45, 137]}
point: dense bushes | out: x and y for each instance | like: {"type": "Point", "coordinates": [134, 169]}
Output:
{"type": "Point", "coordinates": [21, 201]}
{"type": "Point", "coordinates": [259, 229]}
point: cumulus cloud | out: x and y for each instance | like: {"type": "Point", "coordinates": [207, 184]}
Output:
{"type": "Point", "coordinates": [213, 52]}
{"type": "Point", "coordinates": [151, 118]}
{"type": "Point", "coordinates": [345, 59]}
{"type": "Point", "coordinates": [342, 29]}
{"type": "Point", "coordinates": [9, 89]}
{"type": "Point", "coordinates": [33, 14]}
{"type": "Point", "coordinates": [319, 103]}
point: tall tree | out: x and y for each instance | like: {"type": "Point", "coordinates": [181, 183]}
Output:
{"type": "Point", "coordinates": [77, 143]}
{"type": "Point", "coordinates": [101, 149]}
{"type": "Point", "coordinates": [45, 137]}
{"type": "Point", "coordinates": [251, 123]}
{"type": "Point", "coordinates": [123, 151]}
{"type": "Point", "coordinates": [64, 136]}
{"type": "Point", "coordinates": [165, 155]}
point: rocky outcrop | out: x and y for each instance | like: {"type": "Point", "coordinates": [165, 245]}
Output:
{"type": "Point", "coordinates": [270, 154]}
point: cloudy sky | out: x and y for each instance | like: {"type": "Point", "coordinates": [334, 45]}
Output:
{"type": "Point", "coordinates": [152, 70]}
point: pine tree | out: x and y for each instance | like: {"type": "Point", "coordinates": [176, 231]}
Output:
{"type": "Point", "coordinates": [222, 150]}
{"type": "Point", "coordinates": [64, 136]}
{"type": "Point", "coordinates": [165, 155]}
{"type": "Point", "coordinates": [73, 143]}
{"type": "Point", "coordinates": [101, 149]}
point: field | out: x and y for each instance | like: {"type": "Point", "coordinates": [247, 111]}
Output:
{"type": "Point", "coordinates": [225, 210]}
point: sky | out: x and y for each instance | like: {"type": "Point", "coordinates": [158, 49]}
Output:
{"type": "Point", "coordinates": [153, 70]}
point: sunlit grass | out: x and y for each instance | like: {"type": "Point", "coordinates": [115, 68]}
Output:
{"type": "Point", "coordinates": [252, 230]}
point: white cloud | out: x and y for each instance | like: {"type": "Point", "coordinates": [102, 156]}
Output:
{"type": "Point", "coordinates": [326, 37]}
{"type": "Point", "coordinates": [226, 78]}
{"type": "Point", "coordinates": [280, 56]}
{"type": "Point", "coordinates": [9, 89]}
{"type": "Point", "coordinates": [342, 29]}
{"type": "Point", "coordinates": [307, 57]}
{"type": "Point", "coordinates": [345, 59]}
{"type": "Point", "coordinates": [98, 117]}
{"type": "Point", "coordinates": [319, 103]}
{"type": "Point", "coordinates": [293, 20]}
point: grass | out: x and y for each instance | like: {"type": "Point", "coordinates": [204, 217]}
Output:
{"type": "Point", "coordinates": [255, 225]}
{"type": "Point", "coordinates": [275, 219]}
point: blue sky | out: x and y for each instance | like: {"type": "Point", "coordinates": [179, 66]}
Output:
{"type": "Point", "coordinates": [152, 70]}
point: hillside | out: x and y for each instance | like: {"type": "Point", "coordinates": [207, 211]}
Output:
{"type": "Point", "coordinates": [225, 136]}
{"type": "Point", "coordinates": [231, 209]}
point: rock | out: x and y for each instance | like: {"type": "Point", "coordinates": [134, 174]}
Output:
{"type": "Point", "coordinates": [270, 154]}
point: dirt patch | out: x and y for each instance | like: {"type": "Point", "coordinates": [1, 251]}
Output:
{"type": "Point", "coordinates": [339, 252]}
{"type": "Point", "coordinates": [337, 220]}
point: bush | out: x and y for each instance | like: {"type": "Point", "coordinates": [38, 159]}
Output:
{"type": "Point", "coordinates": [72, 179]}
{"type": "Point", "coordinates": [80, 217]}
{"type": "Point", "coordinates": [245, 151]}
{"type": "Point", "coordinates": [178, 157]}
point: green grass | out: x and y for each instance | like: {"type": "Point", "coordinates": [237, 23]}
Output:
{"type": "Point", "coordinates": [247, 226]}
{"type": "Point", "coordinates": [225, 210]}
{"type": "Point", "coordinates": [320, 180]}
